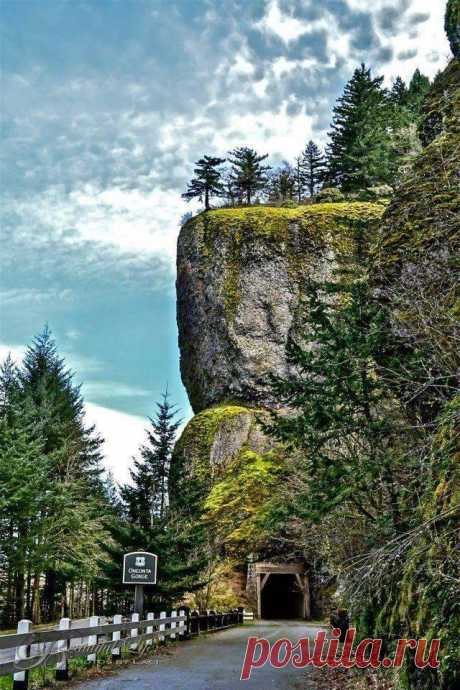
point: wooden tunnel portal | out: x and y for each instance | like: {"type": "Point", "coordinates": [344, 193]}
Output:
{"type": "Point", "coordinates": [282, 590]}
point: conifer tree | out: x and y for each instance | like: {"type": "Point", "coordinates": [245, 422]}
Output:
{"type": "Point", "coordinates": [398, 93]}
{"type": "Point", "coordinates": [419, 86]}
{"type": "Point", "coordinates": [147, 498]}
{"type": "Point", "coordinates": [343, 421]}
{"type": "Point", "coordinates": [248, 175]}
{"type": "Point", "coordinates": [356, 154]}
{"type": "Point", "coordinates": [312, 167]}
{"type": "Point", "coordinates": [299, 178]}
{"type": "Point", "coordinates": [55, 405]}
{"type": "Point", "coordinates": [207, 181]}
{"type": "Point", "coordinates": [59, 406]}
{"type": "Point", "coordinates": [282, 185]}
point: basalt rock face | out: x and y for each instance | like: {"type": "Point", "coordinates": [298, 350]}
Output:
{"type": "Point", "coordinates": [241, 277]}
{"type": "Point", "coordinates": [209, 442]}
{"type": "Point", "coordinates": [419, 241]}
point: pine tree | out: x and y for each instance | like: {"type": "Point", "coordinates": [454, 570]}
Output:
{"type": "Point", "coordinates": [147, 498]}
{"type": "Point", "coordinates": [299, 178]}
{"type": "Point", "coordinates": [282, 184]}
{"type": "Point", "coordinates": [419, 86]}
{"type": "Point", "coordinates": [343, 421]}
{"type": "Point", "coordinates": [248, 175]}
{"type": "Point", "coordinates": [207, 182]}
{"type": "Point", "coordinates": [398, 93]}
{"type": "Point", "coordinates": [74, 478]}
{"type": "Point", "coordinates": [312, 167]}
{"type": "Point", "coordinates": [357, 152]}
{"type": "Point", "coordinates": [59, 405]}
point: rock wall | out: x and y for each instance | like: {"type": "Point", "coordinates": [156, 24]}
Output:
{"type": "Point", "coordinates": [241, 276]}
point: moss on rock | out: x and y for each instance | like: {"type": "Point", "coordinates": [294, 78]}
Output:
{"type": "Point", "coordinates": [209, 442]}
{"type": "Point", "coordinates": [241, 275]}
{"type": "Point", "coordinates": [440, 110]}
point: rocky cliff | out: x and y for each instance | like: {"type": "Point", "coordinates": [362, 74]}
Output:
{"type": "Point", "coordinates": [241, 275]}
{"type": "Point", "coordinates": [241, 279]}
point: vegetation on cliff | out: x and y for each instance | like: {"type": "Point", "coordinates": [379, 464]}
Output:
{"type": "Point", "coordinates": [372, 139]}
{"type": "Point", "coordinates": [401, 577]}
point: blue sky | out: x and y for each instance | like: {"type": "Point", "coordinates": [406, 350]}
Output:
{"type": "Point", "coordinates": [105, 106]}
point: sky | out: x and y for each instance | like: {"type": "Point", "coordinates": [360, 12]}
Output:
{"type": "Point", "coordinates": [105, 106]}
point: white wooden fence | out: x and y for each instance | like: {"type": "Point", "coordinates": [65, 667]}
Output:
{"type": "Point", "coordinates": [28, 648]}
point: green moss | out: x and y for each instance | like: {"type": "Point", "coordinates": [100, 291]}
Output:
{"type": "Point", "coordinates": [425, 210]}
{"type": "Point", "coordinates": [273, 222]}
{"type": "Point", "coordinates": [193, 449]}
{"type": "Point", "coordinates": [297, 234]}
{"type": "Point", "coordinates": [441, 105]}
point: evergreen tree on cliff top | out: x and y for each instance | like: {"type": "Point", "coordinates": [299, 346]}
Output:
{"type": "Point", "coordinates": [207, 182]}
{"type": "Point", "coordinates": [248, 174]}
{"type": "Point", "coordinates": [312, 166]}
{"type": "Point", "coordinates": [357, 150]}
{"type": "Point", "coordinates": [418, 88]}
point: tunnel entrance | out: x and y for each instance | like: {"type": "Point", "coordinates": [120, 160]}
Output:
{"type": "Point", "coordinates": [281, 590]}
{"type": "Point", "coordinates": [281, 597]}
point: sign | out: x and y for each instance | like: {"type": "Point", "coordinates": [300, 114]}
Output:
{"type": "Point", "coordinates": [139, 568]}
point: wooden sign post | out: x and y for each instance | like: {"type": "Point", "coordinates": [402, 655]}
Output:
{"type": "Point", "coordinates": [139, 569]}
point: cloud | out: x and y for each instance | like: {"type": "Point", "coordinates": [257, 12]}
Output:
{"type": "Point", "coordinates": [105, 110]}
{"type": "Point", "coordinates": [112, 389]}
{"type": "Point", "coordinates": [285, 26]}
{"type": "Point", "coordinates": [16, 352]}
{"type": "Point", "coordinates": [123, 434]}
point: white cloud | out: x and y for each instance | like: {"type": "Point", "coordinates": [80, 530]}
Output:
{"type": "Point", "coordinates": [286, 27]}
{"type": "Point", "coordinates": [275, 133]}
{"type": "Point", "coordinates": [426, 39]}
{"type": "Point", "coordinates": [112, 389]}
{"type": "Point", "coordinates": [17, 352]}
{"type": "Point", "coordinates": [123, 434]}
{"type": "Point", "coordinates": [127, 221]}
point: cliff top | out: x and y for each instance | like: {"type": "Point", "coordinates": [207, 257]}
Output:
{"type": "Point", "coordinates": [270, 217]}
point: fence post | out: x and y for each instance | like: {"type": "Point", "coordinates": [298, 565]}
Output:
{"type": "Point", "coordinates": [149, 629]}
{"type": "Point", "coordinates": [240, 614]}
{"type": "Point", "coordinates": [194, 623]}
{"type": "Point", "coordinates": [134, 631]}
{"type": "Point", "coordinates": [21, 678]}
{"type": "Point", "coordinates": [116, 651]}
{"type": "Point", "coordinates": [162, 626]}
{"type": "Point", "coordinates": [182, 628]}
{"type": "Point", "coordinates": [92, 639]}
{"type": "Point", "coordinates": [188, 624]}
{"type": "Point", "coordinates": [173, 625]}
{"type": "Point", "coordinates": [62, 670]}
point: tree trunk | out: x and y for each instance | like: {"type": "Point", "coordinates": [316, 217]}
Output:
{"type": "Point", "coordinates": [36, 611]}
{"type": "Point", "coordinates": [20, 571]}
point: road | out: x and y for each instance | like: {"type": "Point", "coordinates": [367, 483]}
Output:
{"type": "Point", "coordinates": [213, 662]}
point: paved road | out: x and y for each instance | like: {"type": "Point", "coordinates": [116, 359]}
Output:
{"type": "Point", "coordinates": [213, 662]}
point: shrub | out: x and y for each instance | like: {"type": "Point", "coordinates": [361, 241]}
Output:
{"type": "Point", "coordinates": [329, 194]}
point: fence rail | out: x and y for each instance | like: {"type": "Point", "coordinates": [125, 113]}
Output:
{"type": "Point", "coordinates": [29, 648]}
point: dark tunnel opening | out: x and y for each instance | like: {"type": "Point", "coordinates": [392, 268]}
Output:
{"type": "Point", "coordinates": [281, 598]}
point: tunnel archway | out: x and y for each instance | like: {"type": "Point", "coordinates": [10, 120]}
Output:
{"type": "Point", "coordinates": [281, 597]}
{"type": "Point", "coordinates": [282, 589]}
